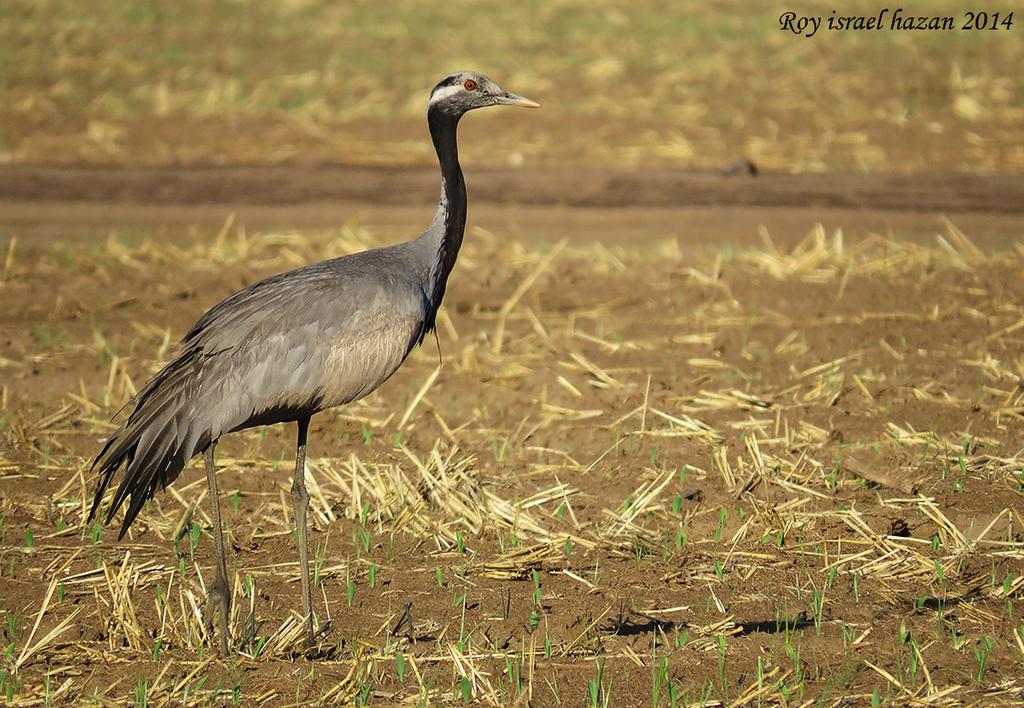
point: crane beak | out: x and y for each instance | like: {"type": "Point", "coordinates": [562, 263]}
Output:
{"type": "Point", "coordinates": [511, 99]}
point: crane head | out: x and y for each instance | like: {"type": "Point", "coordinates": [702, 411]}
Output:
{"type": "Point", "coordinates": [465, 90]}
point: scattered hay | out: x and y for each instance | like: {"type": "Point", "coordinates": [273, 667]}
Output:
{"type": "Point", "coordinates": [594, 476]}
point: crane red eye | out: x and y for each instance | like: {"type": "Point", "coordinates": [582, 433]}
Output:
{"type": "Point", "coordinates": [469, 85]}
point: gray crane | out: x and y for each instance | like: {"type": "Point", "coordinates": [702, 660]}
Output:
{"type": "Point", "coordinates": [295, 344]}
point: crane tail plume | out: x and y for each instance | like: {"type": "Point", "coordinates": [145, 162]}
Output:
{"type": "Point", "coordinates": [153, 445]}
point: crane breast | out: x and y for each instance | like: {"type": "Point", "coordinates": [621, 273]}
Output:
{"type": "Point", "coordinates": [356, 365]}
{"type": "Point", "coordinates": [288, 377]}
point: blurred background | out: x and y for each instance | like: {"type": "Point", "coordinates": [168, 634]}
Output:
{"type": "Point", "coordinates": [689, 84]}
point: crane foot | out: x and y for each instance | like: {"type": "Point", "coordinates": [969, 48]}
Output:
{"type": "Point", "coordinates": [218, 599]}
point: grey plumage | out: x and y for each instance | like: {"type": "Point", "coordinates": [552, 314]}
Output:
{"type": "Point", "coordinates": [283, 348]}
{"type": "Point", "coordinates": [296, 343]}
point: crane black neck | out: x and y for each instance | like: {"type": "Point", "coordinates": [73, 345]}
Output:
{"type": "Point", "coordinates": [451, 212]}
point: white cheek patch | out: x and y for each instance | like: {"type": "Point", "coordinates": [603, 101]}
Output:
{"type": "Point", "coordinates": [445, 92]}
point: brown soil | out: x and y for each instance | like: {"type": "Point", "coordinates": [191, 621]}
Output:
{"type": "Point", "coordinates": [843, 417]}
{"type": "Point", "coordinates": [561, 186]}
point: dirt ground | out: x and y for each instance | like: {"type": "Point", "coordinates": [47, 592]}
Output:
{"type": "Point", "coordinates": [695, 440]}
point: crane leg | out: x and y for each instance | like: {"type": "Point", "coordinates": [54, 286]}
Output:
{"type": "Point", "coordinates": [300, 504]}
{"type": "Point", "coordinates": [219, 592]}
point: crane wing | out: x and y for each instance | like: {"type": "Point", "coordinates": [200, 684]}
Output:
{"type": "Point", "coordinates": [279, 350]}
